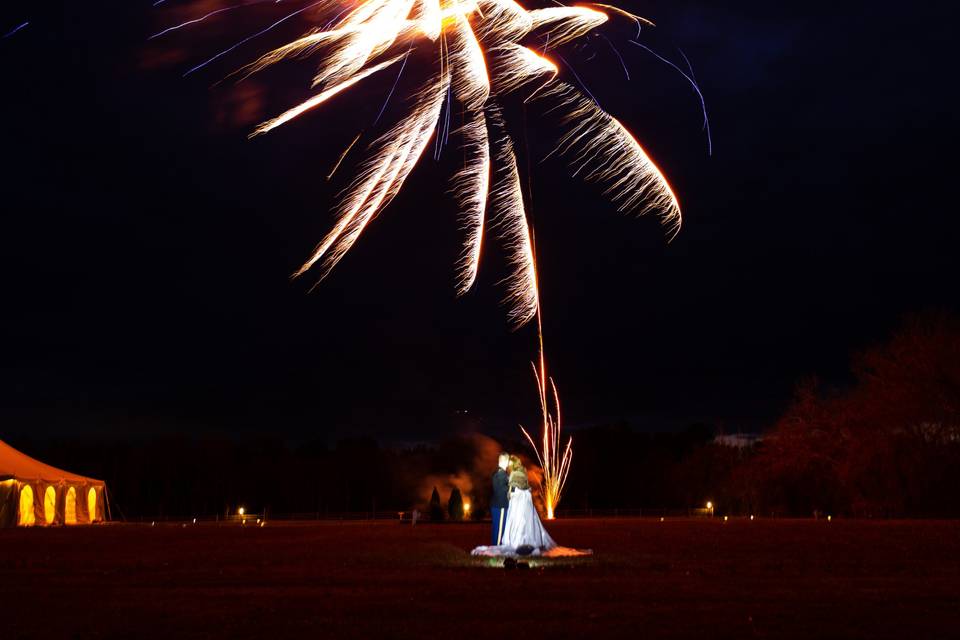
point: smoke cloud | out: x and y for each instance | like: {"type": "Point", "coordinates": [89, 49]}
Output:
{"type": "Point", "coordinates": [472, 459]}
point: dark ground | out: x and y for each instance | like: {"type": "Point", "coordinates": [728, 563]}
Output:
{"type": "Point", "coordinates": [679, 578]}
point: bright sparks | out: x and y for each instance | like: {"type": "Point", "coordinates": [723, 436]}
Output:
{"type": "Point", "coordinates": [480, 55]}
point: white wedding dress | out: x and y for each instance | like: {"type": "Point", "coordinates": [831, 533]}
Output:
{"type": "Point", "coordinates": [524, 534]}
{"type": "Point", "coordinates": [523, 527]}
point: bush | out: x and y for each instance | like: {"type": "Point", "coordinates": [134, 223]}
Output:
{"type": "Point", "coordinates": [455, 505]}
{"type": "Point", "coordinates": [436, 511]}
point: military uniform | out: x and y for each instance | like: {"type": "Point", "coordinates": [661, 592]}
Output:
{"type": "Point", "coordinates": [499, 502]}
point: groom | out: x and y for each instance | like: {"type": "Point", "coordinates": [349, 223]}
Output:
{"type": "Point", "coordinates": [499, 500]}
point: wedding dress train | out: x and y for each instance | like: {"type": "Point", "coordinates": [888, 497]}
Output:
{"type": "Point", "coordinates": [523, 527]}
{"type": "Point", "coordinates": [524, 533]}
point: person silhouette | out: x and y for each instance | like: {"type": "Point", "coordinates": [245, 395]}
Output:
{"type": "Point", "coordinates": [499, 500]}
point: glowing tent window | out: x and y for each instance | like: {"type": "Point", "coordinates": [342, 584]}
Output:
{"type": "Point", "coordinates": [92, 504]}
{"type": "Point", "coordinates": [70, 507]}
{"type": "Point", "coordinates": [50, 505]}
{"type": "Point", "coordinates": [26, 517]}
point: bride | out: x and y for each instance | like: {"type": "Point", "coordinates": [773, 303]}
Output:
{"type": "Point", "coordinates": [523, 533]}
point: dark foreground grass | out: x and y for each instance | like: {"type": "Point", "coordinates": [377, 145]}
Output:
{"type": "Point", "coordinates": [647, 579]}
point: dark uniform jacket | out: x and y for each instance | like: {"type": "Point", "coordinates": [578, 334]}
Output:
{"type": "Point", "coordinates": [499, 499]}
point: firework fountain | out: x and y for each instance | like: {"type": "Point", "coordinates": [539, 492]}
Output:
{"type": "Point", "coordinates": [553, 457]}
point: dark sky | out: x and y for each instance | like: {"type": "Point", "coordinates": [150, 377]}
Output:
{"type": "Point", "coordinates": [147, 244]}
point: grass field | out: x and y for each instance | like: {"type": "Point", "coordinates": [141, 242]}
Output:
{"type": "Point", "coordinates": [647, 579]}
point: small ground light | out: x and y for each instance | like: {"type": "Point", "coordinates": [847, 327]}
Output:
{"type": "Point", "coordinates": [241, 510]}
{"type": "Point", "coordinates": [466, 507]}
{"type": "Point", "coordinates": [661, 519]}
{"type": "Point", "coordinates": [725, 518]}
{"type": "Point", "coordinates": [709, 505]}
{"type": "Point", "coordinates": [751, 517]}
{"type": "Point", "coordinates": [829, 518]}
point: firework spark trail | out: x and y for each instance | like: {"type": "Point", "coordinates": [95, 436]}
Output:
{"type": "Point", "coordinates": [403, 65]}
{"type": "Point", "coordinates": [606, 152]}
{"type": "Point", "coordinates": [343, 155]}
{"type": "Point", "coordinates": [16, 29]}
{"type": "Point", "coordinates": [471, 85]}
{"type": "Point", "coordinates": [638, 20]}
{"type": "Point", "coordinates": [692, 79]}
{"type": "Point", "coordinates": [472, 185]}
{"type": "Point", "coordinates": [616, 52]}
{"type": "Point", "coordinates": [201, 18]}
{"type": "Point", "coordinates": [703, 101]}
{"type": "Point", "coordinates": [510, 218]}
{"type": "Point", "coordinates": [253, 37]}
{"type": "Point", "coordinates": [319, 98]}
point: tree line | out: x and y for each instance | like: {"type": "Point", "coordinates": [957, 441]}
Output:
{"type": "Point", "coordinates": [887, 444]}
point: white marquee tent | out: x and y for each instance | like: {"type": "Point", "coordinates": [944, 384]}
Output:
{"type": "Point", "coordinates": [35, 494]}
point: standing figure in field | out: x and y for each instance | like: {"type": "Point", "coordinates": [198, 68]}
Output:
{"type": "Point", "coordinates": [499, 501]}
{"type": "Point", "coordinates": [523, 531]}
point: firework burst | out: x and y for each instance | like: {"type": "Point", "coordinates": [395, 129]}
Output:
{"type": "Point", "coordinates": [481, 55]}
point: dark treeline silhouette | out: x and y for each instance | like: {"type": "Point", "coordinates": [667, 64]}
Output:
{"type": "Point", "coordinates": [207, 476]}
{"type": "Point", "coordinates": [888, 444]}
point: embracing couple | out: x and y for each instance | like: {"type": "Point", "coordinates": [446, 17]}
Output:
{"type": "Point", "coordinates": [516, 525]}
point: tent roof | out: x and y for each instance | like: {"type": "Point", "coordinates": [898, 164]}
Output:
{"type": "Point", "coordinates": [20, 466]}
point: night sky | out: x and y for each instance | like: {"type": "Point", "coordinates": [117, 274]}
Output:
{"type": "Point", "coordinates": [147, 244]}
